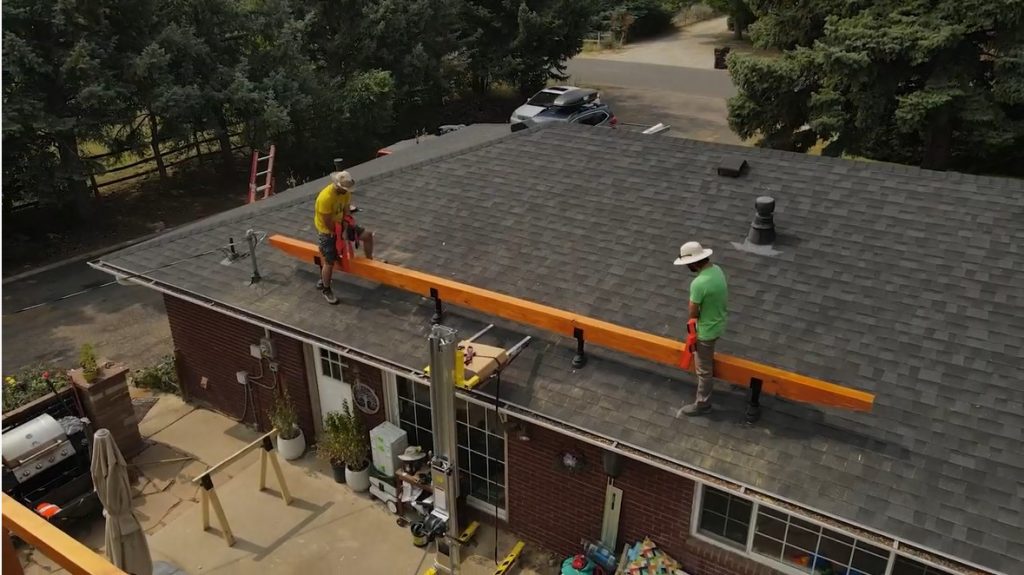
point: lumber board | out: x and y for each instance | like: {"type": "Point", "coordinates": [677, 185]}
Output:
{"type": "Point", "coordinates": [659, 349]}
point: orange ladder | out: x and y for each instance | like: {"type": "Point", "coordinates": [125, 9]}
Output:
{"type": "Point", "coordinates": [267, 188]}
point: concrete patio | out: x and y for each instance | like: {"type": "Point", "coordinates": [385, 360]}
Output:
{"type": "Point", "coordinates": [326, 529]}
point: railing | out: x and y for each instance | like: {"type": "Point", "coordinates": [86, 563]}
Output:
{"type": "Point", "coordinates": [52, 542]}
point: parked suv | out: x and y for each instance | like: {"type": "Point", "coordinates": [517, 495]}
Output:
{"type": "Point", "coordinates": [539, 102]}
{"type": "Point", "coordinates": [575, 106]}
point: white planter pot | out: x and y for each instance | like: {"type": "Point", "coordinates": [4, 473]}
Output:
{"type": "Point", "coordinates": [292, 448]}
{"type": "Point", "coordinates": [358, 480]}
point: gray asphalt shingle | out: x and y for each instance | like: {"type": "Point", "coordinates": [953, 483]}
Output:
{"type": "Point", "coordinates": [902, 282]}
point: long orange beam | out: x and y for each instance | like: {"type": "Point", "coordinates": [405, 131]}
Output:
{"type": "Point", "coordinates": [634, 342]}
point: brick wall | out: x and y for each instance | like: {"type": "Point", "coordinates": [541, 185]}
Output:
{"type": "Point", "coordinates": [215, 346]}
{"type": "Point", "coordinates": [547, 505]}
{"type": "Point", "coordinates": [555, 509]}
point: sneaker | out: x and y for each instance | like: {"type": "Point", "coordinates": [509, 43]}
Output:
{"type": "Point", "coordinates": [696, 408]}
{"type": "Point", "coordinates": [320, 285]}
{"type": "Point", "coordinates": [329, 295]}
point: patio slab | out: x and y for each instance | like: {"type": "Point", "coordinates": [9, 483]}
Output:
{"type": "Point", "coordinates": [327, 529]}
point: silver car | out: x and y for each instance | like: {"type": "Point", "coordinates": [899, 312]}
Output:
{"type": "Point", "coordinates": [545, 99]}
{"type": "Point", "coordinates": [576, 106]}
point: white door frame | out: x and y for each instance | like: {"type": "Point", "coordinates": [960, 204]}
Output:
{"type": "Point", "coordinates": [332, 391]}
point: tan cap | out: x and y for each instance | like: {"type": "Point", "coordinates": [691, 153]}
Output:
{"type": "Point", "coordinates": [343, 180]}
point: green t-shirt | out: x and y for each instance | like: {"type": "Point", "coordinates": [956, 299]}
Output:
{"type": "Point", "coordinates": [708, 290]}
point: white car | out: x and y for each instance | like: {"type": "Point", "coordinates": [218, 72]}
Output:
{"type": "Point", "coordinates": [548, 97]}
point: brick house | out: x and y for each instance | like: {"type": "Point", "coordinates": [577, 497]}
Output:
{"type": "Point", "coordinates": [898, 281]}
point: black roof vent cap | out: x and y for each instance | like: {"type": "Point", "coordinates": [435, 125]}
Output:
{"type": "Point", "coordinates": [732, 167]}
{"type": "Point", "coordinates": [762, 229]}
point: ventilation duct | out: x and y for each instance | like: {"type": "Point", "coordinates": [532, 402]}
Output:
{"type": "Point", "coordinates": [762, 229]}
{"type": "Point", "coordinates": [732, 167]}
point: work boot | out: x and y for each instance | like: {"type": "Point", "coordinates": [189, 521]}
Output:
{"type": "Point", "coordinates": [696, 408]}
{"type": "Point", "coordinates": [329, 295]}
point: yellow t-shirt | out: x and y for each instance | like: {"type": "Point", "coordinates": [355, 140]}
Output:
{"type": "Point", "coordinates": [330, 203]}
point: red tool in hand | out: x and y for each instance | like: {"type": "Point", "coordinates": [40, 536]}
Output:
{"type": "Point", "coordinates": [344, 236]}
{"type": "Point", "coordinates": [690, 348]}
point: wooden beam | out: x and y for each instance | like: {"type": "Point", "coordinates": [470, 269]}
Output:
{"type": "Point", "coordinates": [640, 344]}
{"type": "Point", "coordinates": [11, 561]}
{"type": "Point", "coordinates": [225, 528]}
{"type": "Point", "coordinates": [235, 456]}
{"type": "Point", "coordinates": [52, 542]}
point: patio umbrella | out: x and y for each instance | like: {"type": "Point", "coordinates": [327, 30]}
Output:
{"type": "Point", "coordinates": [124, 539]}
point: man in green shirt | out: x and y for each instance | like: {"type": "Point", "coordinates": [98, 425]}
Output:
{"type": "Point", "coordinates": [709, 297]}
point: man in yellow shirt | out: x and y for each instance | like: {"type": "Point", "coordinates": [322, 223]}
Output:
{"type": "Point", "coordinates": [333, 203]}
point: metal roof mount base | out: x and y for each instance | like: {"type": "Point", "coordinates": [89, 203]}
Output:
{"type": "Point", "coordinates": [252, 239]}
{"type": "Point", "coordinates": [754, 406]}
{"type": "Point", "coordinates": [580, 359]}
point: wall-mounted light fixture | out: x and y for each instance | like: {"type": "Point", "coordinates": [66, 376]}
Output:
{"type": "Point", "coordinates": [572, 461]}
{"type": "Point", "coordinates": [518, 429]}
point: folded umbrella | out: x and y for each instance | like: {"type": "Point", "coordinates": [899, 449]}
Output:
{"type": "Point", "coordinates": [124, 538]}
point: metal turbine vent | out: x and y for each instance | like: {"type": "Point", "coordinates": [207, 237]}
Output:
{"type": "Point", "coordinates": [762, 229]}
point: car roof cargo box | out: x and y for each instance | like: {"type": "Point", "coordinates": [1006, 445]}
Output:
{"type": "Point", "coordinates": [576, 97]}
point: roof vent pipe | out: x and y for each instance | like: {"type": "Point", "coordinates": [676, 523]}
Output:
{"type": "Point", "coordinates": [762, 229]}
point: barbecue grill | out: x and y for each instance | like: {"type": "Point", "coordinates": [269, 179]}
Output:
{"type": "Point", "coordinates": [46, 460]}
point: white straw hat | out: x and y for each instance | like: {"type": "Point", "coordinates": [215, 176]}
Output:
{"type": "Point", "coordinates": [412, 453]}
{"type": "Point", "coordinates": [691, 252]}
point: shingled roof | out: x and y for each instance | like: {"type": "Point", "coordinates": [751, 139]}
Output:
{"type": "Point", "coordinates": [903, 282]}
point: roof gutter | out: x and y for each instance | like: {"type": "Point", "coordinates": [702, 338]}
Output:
{"type": "Point", "coordinates": [625, 449]}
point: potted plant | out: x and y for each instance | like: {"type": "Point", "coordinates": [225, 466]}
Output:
{"type": "Point", "coordinates": [355, 450]}
{"type": "Point", "coordinates": [87, 361]}
{"type": "Point", "coordinates": [291, 443]}
{"type": "Point", "coordinates": [329, 447]}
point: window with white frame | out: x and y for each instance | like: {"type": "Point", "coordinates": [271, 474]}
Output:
{"type": "Point", "coordinates": [330, 363]}
{"type": "Point", "coordinates": [796, 545]}
{"type": "Point", "coordinates": [725, 516]}
{"type": "Point", "coordinates": [812, 548]}
{"type": "Point", "coordinates": [481, 439]}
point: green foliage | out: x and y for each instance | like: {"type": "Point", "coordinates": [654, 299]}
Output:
{"type": "Point", "coordinates": [162, 376]}
{"type": "Point", "coordinates": [522, 44]}
{"type": "Point", "coordinates": [87, 361]}
{"type": "Point", "coordinates": [31, 384]}
{"type": "Point", "coordinates": [319, 78]}
{"type": "Point", "coordinates": [353, 442]}
{"type": "Point", "coordinates": [739, 12]}
{"type": "Point", "coordinates": [939, 84]}
{"type": "Point", "coordinates": [63, 66]}
{"type": "Point", "coordinates": [330, 447]}
{"type": "Point", "coordinates": [632, 20]}
{"type": "Point", "coordinates": [283, 415]}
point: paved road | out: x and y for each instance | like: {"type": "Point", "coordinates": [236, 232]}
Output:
{"type": "Point", "coordinates": [123, 323]}
{"type": "Point", "coordinates": [678, 79]}
{"type": "Point", "coordinates": [691, 100]}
